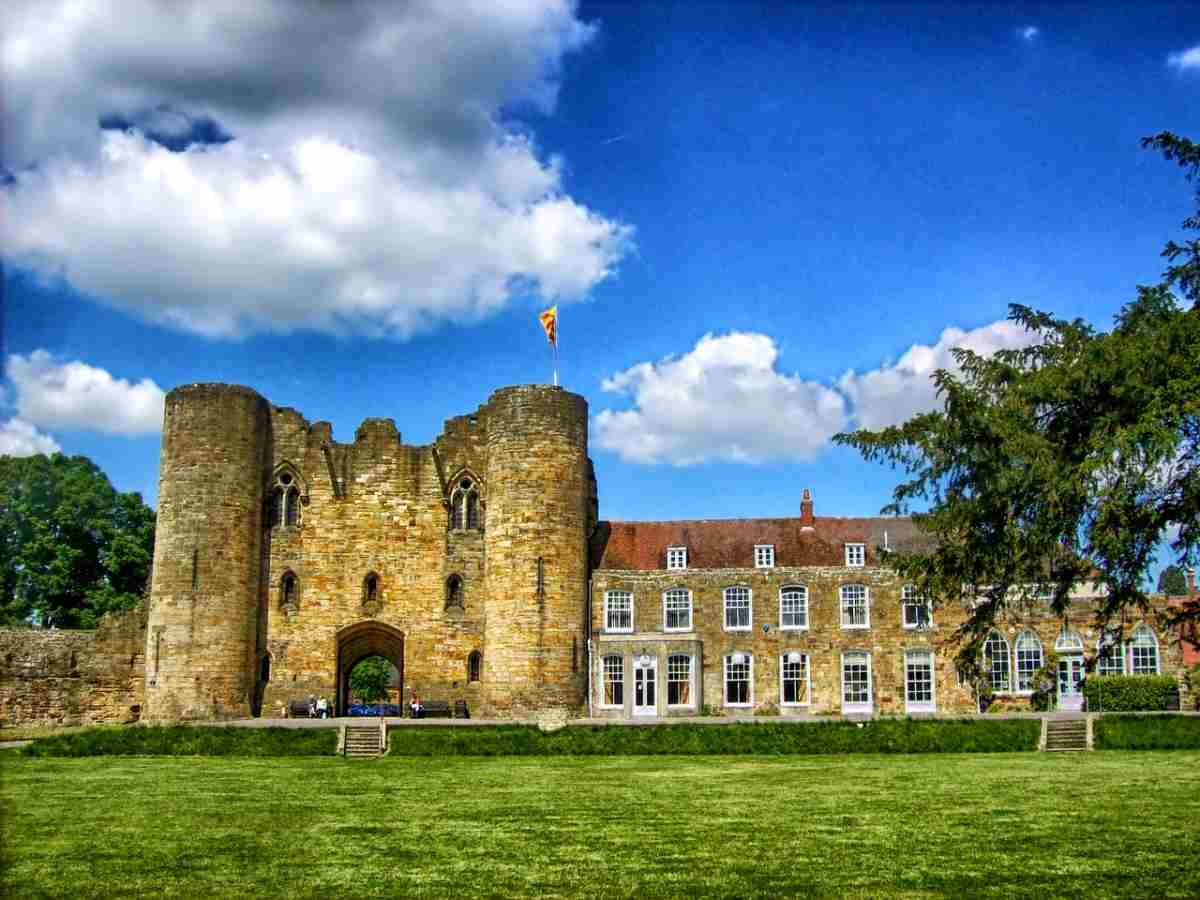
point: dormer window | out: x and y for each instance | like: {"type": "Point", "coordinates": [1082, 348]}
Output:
{"type": "Point", "coordinates": [764, 556]}
{"type": "Point", "coordinates": [677, 557]}
{"type": "Point", "coordinates": [856, 555]}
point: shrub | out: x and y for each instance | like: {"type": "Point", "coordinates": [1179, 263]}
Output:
{"type": "Point", "coordinates": [1128, 693]}
{"type": "Point", "coordinates": [764, 738]}
{"type": "Point", "coordinates": [1147, 733]}
{"type": "Point", "coordinates": [188, 740]}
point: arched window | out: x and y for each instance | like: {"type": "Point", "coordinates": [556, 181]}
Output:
{"type": "Point", "coordinates": [286, 499]}
{"type": "Point", "coordinates": [856, 606]}
{"type": "Point", "coordinates": [371, 588]}
{"type": "Point", "coordinates": [466, 508]}
{"type": "Point", "coordinates": [737, 608]}
{"type": "Point", "coordinates": [287, 591]}
{"type": "Point", "coordinates": [454, 591]}
{"type": "Point", "coordinates": [1068, 641]}
{"type": "Point", "coordinates": [739, 679]}
{"type": "Point", "coordinates": [1144, 651]}
{"type": "Point", "coordinates": [1110, 657]}
{"type": "Point", "coordinates": [677, 610]}
{"type": "Point", "coordinates": [793, 607]}
{"type": "Point", "coordinates": [1029, 659]}
{"type": "Point", "coordinates": [474, 665]}
{"type": "Point", "coordinates": [996, 662]}
{"type": "Point", "coordinates": [793, 679]}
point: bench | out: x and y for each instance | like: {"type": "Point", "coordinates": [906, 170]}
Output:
{"type": "Point", "coordinates": [298, 709]}
{"type": "Point", "coordinates": [438, 708]}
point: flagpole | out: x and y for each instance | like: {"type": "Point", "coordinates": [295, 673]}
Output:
{"type": "Point", "coordinates": [556, 330]}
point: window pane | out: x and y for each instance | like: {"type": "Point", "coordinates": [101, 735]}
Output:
{"type": "Point", "coordinates": [679, 609]}
{"type": "Point", "coordinates": [918, 679]}
{"type": "Point", "coordinates": [795, 680]}
{"type": "Point", "coordinates": [856, 679]}
{"type": "Point", "coordinates": [614, 680]}
{"type": "Point", "coordinates": [618, 611]}
{"type": "Point", "coordinates": [854, 604]}
{"type": "Point", "coordinates": [793, 607]}
{"type": "Point", "coordinates": [737, 607]}
{"type": "Point", "coordinates": [995, 652]}
{"type": "Point", "coordinates": [679, 680]}
{"type": "Point", "coordinates": [737, 680]}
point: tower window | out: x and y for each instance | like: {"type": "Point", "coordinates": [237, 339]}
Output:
{"type": "Point", "coordinates": [371, 588]}
{"type": "Point", "coordinates": [466, 507]}
{"type": "Point", "coordinates": [454, 591]}
{"type": "Point", "coordinates": [474, 664]}
{"type": "Point", "coordinates": [286, 498]}
{"type": "Point", "coordinates": [287, 591]}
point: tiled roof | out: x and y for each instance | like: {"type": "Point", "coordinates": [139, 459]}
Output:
{"type": "Point", "coordinates": [729, 543]}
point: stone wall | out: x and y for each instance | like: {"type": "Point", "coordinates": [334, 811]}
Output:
{"type": "Point", "coordinates": [74, 677]}
{"type": "Point", "coordinates": [824, 641]}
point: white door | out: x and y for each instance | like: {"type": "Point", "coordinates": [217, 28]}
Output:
{"type": "Point", "coordinates": [645, 687]}
{"type": "Point", "coordinates": [1070, 673]}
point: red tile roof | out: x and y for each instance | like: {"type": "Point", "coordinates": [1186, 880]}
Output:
{"type": "Point", "coordinates": [729, 543]}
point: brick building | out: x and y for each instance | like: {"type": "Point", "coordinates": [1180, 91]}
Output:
{"type": "Point", "coordinates": [478, 566]}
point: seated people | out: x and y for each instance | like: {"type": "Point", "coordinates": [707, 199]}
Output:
{"type": "Point", "coordinates": [415, 708]}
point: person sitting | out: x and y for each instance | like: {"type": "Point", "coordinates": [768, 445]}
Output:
{"type": "Point", "coordinates": [323, 708]}
{"type": "Point", "coordinates": [312, 707]}
{"type": "Point", "coordinates": [415, 708]}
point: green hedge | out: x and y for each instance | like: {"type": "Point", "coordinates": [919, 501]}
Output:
{"type": "Point", "coordinates": [1128, 693]}
{"type": "Point", "coordinates": [187, 740]}
{"type": "Point", "coordinates": [1148, 733]}
{"type": "Point", "coordinates": [762, 738]}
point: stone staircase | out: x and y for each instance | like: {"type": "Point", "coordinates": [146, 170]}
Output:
{"type": "Point", "coordinates": [1065, 734]}
{"type": "Point", "coordinates": [363, 741]}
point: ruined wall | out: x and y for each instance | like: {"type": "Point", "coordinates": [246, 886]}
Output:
{"type": "Point", "coordinates": [825, 640]}
{"type": "Point", "coordinates": [74, 677]}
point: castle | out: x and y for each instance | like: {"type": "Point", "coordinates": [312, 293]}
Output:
{"type": "Point", "coordinates": [478, 565]}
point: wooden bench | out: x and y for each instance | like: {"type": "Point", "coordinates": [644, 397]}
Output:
{"type": "Point", "coordinates": [436, 708]}
{"type": "Point", "coordinates": [298, 709]}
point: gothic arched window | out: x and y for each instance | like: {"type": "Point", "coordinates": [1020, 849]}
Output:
{"type": "Point", "coordinates": [454, 591]}
{"type": "Point", "coordinates": [474, 665]}
{"type": "Point", "coordinates": [466, 507]}
{"type": "Point", "coordinates": [287, 591]}
{"type": "Point", "coordinates": [286, 499]}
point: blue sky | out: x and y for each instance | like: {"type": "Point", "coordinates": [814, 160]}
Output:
{"type": "Point", "coordinates": [759, 221]}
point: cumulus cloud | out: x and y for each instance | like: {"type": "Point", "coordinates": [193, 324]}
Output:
{"type": "Point", "coordinates": [726, 400]}
{"type": "Point", "coordinates": [1030, 32]}
{"type": "Point", "coordinates": [74, 396]}
{"type": "Point", "coordinates": [374, 181]}
{"type": "Point", "coordinates": [723, 400]}
{"type": "Point", "coordinates": [1186, 59]}
{"type": "Point", "coordinates": [20, 438]}
{"type": "Point", "coordinates": [895, 392]}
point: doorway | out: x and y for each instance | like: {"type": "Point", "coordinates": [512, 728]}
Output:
{"type": "Point", "coordinates": [1070, 673]}
{"type": "Point", "coordinates": [359, 641]}
{"type": "Point", "coordinates": [645, 686]}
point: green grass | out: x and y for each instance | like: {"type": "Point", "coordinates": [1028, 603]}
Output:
{"type": "Point", "coordinates": [997, 825]}
{"type": "Point", "coordinates": [1148, 733]}
{"type": "Point", "coordinates": [187, 740]}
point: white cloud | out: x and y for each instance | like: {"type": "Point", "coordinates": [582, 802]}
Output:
{"type": "Point", "coordinates": [1187, 59]}
{"type": "Point", "coordinates": [724, 400]}
{"type": "Point", "coordinates": [20, 438]}
{"type": "Point", "coordinates": [1030, 32]}
{"type": "Point", "coordinates": [74, 396]}
{"type": "Point", "coordinates": [374, 183]}
{"type": "Point", "coordinates": [895, 392]}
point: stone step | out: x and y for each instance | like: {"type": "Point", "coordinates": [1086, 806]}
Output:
{"type": "Point", "coordinates": [1066, 735]}
{"type": "Point", "coordinates": [363, 742]}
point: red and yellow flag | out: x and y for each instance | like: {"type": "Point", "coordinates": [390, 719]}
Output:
{"type": "Point", "coordinates": [549, 320]}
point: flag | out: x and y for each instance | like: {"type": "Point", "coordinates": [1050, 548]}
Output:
{"type": "Point", "coordinates": [549, 320]}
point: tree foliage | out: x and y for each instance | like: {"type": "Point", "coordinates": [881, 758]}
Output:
{"type": "Point", "coordinates": [71, 546]}
{"type": "Point", "coordinates": [1172, 582]}
{"type": "Point", "coordinates": [1064, 463]}
{"type": "Point", "coordinates": [370, 679]}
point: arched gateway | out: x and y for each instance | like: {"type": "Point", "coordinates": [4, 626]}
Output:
{"type": "Point", "coordinates": [358, 641]}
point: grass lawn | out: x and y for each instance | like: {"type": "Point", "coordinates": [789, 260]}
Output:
{"type": "Point", "coordinates": [1112, 824]}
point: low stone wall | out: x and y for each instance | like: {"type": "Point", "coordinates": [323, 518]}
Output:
{"type": "Point", "coordinates": [74, 677]}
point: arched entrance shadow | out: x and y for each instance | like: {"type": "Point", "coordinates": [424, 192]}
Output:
{"type": "Point", "coordinates": [358, 641]}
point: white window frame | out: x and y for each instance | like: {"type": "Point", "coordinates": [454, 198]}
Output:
{"type": "Point", "coordinates": [1134, 645]}
{"type": "Point", "coordinates": [690, 610]}
{"type": "Point", "coordinates": [991, 667]}
{"type": "Point", "coordinates": [909, 598]}
{"type": "Point", "coordinates": [866, 607]}
{"type": "Point", "coordinates": [858, 708]}
{"type": "Point", "coordinates": [608, 611]}
{"type": "Point", "coordinates": [603, 674]}
{"type": "Point", "coordinates": [856, 555]}
{"type": "Point", "coordinates": [1116, 658]}
{"type": "Point", "coordinates": [1027, 635]}
{"type": "Point", "coordinates": [764, 556]}
{"type": "Point", "coordinates": [921, 706]}
{"type": "Point", "coordinates": [783, 661]}
{"type": "Point", "coordinates": [803, 589]}
{"type": "Point", "coordinates": [691, 681]}
{"type": "Point", "coordinates": [749, 608]}
{"type": "Point", "coordinates": [677, 558]}
{"type": "Point", "coordinates": [725, 663]}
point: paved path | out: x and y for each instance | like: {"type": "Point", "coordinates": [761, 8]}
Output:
{"type": "Point", "coordinates": [13, 745]}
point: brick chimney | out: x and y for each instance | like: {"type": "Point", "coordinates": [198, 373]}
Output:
{"type": "Point", "coordinates": [806, 513]}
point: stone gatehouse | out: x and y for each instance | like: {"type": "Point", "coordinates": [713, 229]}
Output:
{"type": "Point", "coordinates": [479, 566]}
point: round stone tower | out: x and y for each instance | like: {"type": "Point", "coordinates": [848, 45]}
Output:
{"type": "Point", "coordinates": [535, 545]}
{"type": "Point", "coordinates": [204, 594]}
